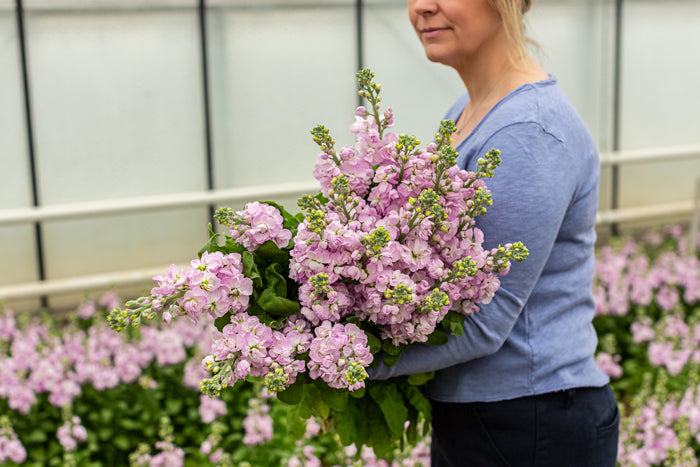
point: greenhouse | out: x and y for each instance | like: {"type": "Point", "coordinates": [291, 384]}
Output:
{"type": "Point", "coordinates": [216, 251]}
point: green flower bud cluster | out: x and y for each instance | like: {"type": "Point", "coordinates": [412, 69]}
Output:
{"type": "Point", "coordinates": [518, 252]}
{"type": "Point", "coordinates": [488, 163]}
{"type": "Point", "coordinates": [355, 373]}
{"type": "Point", "coordinates": [320, 284]}
{"type": "Point", "coordinates": [225, 216]}
{"type": "Point", "coordinates": [465, 267]}
{"type": "Point", "coordinates": [340, 186]}
{"type": "Point", "coordinates": [407, 144]}
{"type": "Point", "coordinates": [135, 457]}
{"type": "Point", "coordinates": [276, 380]}
{"type": "Point", "coordinates": [309, 203]}
{"type": "Point", "coordinates": [428, 200]}
{"type": "Point", "coordinates": [368, 88]}
{"type": "Point", "coordinates": [135, 311]}
{"type": "Point", "coordinates": [503, 255]}
{"type": "Point", "coordinates": [444, 134]}
{"type": "Point", "coordinates": [166, 432]}
{"type": "Point", "coordinates": [482, 199]}
{"type": "Point", "coordinates": [323, 138]}
{"type": "Point", "coordinates": [119, 319]}
{"type": "Point", "coordinates": [433, 302]}
{"type": "Point", "coordinates": [447, 157]}
{"type": "Point", "coordinates": [399, 295]}
{"type": "Point", "coordinates": [376, 240]}
{"type": "Point", "coordinates": [220, 374]}
{"type": "Point", "coordinates": [364, 78]}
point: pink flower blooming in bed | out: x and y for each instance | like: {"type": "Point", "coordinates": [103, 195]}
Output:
{"type": "Point", "coordinates": [258, 424]}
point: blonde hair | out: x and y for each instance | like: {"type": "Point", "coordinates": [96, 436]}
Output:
{"type": "Point", "coordinates": [511, 13]}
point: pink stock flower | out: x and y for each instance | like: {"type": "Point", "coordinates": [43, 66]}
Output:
{"type": "Point", "coordinates": [211, 408]}
{"type": "Point", "coordinates": [609, 364]}
{"type": "Point", "coordinates": [257, 424]}
{"type": "Point", "coordinates": [259, 223]}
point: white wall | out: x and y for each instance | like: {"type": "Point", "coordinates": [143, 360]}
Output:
{"type": "Point", "coordinates": [117, 105]}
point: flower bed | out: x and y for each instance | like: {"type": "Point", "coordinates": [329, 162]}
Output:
{"type": "Point", "coordinates": [80, 394]}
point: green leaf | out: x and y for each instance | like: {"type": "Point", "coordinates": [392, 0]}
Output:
{"type": "Point", "coordinates": [390, 360]}
{"type": "Point", "coordinates": [312, 398]}
{"type": "Point", "coordinates": [173, 406]}
{"type": "Point", "coordinates": [292, 395]}
{"type": "Point", "coordinates": [417, 400]}
{"type": "Point", "coordinates": [306, 406]}
{"type": "Point", "coordinates": [358, 393]}
{"type": "Point", "coordinates": [272, 303]}
{"type": "Point", "coordinates": [335, 398]}
{"type": "Point", "coordinates": [269, 251]}
{"type": "Point", "coordinates": [106, 415]}
{"type": "Point", "coordinates": [36, 436]}
{"type": "Point", "coordinates": [122, 442]}
{"type": "Point", "coordinates": [420, 379]}
{"type": "Point", "coordinates": [222, 321]}
{"type": "Point", "coordinates": [319, 196]}
{"type": "Point", "coordinates": [375, 345]}
{"type": "Point", "coordinates": [454, 322]}
{"type": "Point", "coordinates": [379, 437]}
{"type": "Point", "coordinates": [391, 349]}
{"type": "Point", "coordinates": [211, 245]}
{"type": "Point", "coordinates": [296, 426]}
{"type": "Point", "coordinates": [275, 280]}
{"type": "Point", "coordinates": [438, 337]}
{"type": "Point", "coordinates": [129, 424]}
{"type": "Point", "coordinates": [391, 402]}
{"type": "Point", "coordinates": [346, 426]}
{"type": "Point", "coordinates": [250, 269]}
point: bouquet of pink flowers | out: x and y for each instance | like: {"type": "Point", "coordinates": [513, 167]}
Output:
{"type": "Point", "coordinates": [385, 256]}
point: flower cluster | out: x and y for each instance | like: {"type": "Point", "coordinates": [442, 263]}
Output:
{"type": "Point", "coordinates": [339, 355]}
{"type": "Point", "coordinates": [11, 447]}
{"type": "Point", "coordinates": [395, 245]}
{"type": "Point", "coordinates": [628, 277]}
{"type": "Point", "coordinates": [256, 224]}
{"type": "Point", "coordinates": [167, 455]}
{"type": "Point", "coordinates": [661, 429]}
{"type": "Point", "coordinates": [249, 347]}
{"type": "Point", "coordinates": [257, 423]}
{"type": "Point", "coordinates": [71, 433]}
{"type": "Point", "coordinates": [38, 363]}
{"type": "Point", "coordinates": [214, 284]}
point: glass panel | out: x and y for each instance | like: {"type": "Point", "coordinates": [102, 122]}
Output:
{"type": "Point", "coordinates": [116, 243]}
{"type": "Point", "coordinates": [118, 113]}
{"type": "Point", "coordinates": [17, 253]}
{"type": "Point", "coordinates": [576, 44]}
{"type": "Point", "coordinates": [660, 45]}
{"type": "Point", "coordinates": [278, 70]}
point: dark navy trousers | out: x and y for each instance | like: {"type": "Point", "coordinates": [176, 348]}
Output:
{"type": "Point", "coordinates": [572, 428]}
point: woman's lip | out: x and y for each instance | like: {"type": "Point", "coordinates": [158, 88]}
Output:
{"type": "Point", "coordinates": [432, 32]}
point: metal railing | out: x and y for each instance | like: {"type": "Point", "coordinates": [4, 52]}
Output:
{"type": "Point", "coordinates": [27, 216]}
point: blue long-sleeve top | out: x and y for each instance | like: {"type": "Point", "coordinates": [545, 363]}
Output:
{"type": "Point", "coordinates": [536, 335]}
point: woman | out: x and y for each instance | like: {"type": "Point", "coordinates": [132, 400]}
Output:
{"type": "Point", "coordinates": [521, 386]}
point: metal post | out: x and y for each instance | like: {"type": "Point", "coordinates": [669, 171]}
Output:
{"type": "Point", "coordinates": [695, 221]}
{"type": "Point", "coordinates": [615, 176]}
{"type": "Point", "coordinates": [360, 39]}
{"type": "Point", "coordinates": [202, 13]}
{"type": "Point", "coordinates": [39, 244]}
